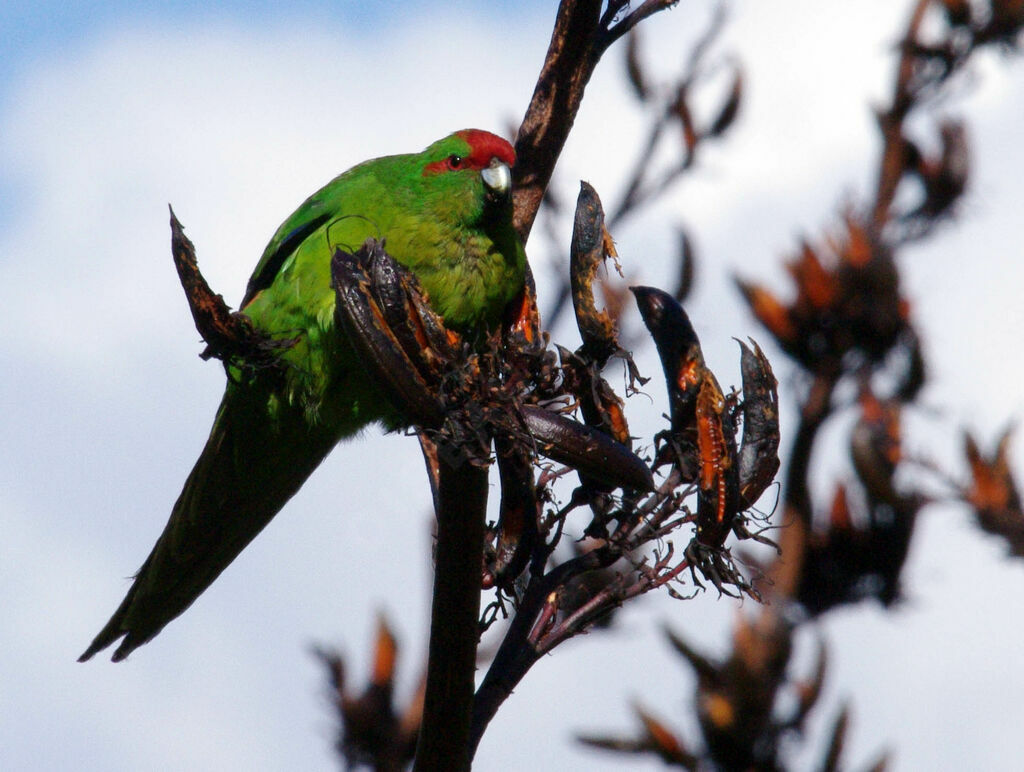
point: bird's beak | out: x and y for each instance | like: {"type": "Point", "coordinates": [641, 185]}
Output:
{"type": "Point", "coordinates": [497, 178]}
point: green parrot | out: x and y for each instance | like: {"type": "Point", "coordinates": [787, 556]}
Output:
{"type": "Point", "coordinates": [446, 214]}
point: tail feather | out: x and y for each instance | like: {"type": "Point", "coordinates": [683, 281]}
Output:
{"type": "Point", "coordinates": [248, 470]}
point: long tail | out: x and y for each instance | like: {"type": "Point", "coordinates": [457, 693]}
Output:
{"type": "Point", "coordinates": [248, 470]}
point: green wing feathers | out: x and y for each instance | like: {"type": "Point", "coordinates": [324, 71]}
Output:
{"type": "Point", "coordinates": [248, 470]}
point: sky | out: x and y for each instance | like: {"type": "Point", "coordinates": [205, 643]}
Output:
{"type": "Point", "coordinates": [234, 114]}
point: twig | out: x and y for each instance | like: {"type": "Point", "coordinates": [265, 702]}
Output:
{"type": "Point", "coordinates": [891, 123]}
{"type": "Point", "coordinates": [636, 192]}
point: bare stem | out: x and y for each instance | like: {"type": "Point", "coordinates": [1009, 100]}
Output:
{"type": "Point", "coordinates": [891, 123]}
{"type": "Point", "coordinates": [581, 35]}
{"type": "Point", "coordinates": [454, 630]}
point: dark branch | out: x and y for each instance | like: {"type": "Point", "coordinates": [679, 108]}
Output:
{"type": "Point", "coordinates": [581, 35]}
{"type": "Point", "coordinates": [447, 708]}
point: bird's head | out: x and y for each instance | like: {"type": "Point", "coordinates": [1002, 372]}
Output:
{"type": "Point", "coordinates": [476, 162]}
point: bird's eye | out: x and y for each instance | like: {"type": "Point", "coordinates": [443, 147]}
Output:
{"type": "Point", "coordinates": [454, 162]}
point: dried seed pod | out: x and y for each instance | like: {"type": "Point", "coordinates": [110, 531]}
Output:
{"type": "Point", "coordinates": [664, 741]}
{"type": "Point", "coordinates": [913, 378]}
{"type": "Point", "coordinates": [414, 324]}
{"type": "Point", "coordinates": [993, 492]}
{"type": "Point", "coordinates": [407, 311]}
{"type": "Point", "coordinates": [817, 288]}
{"type": "Point", "coordinates": [522, 319]}
{"type": "Point", "coordinates": [590, 451]}
{"type": "Point", "coordinates": [687, 265]}
{"type": "Point", "coordinates": [591, 246]}
{"type": "Point", "coordinates": [370, 729]}
{"type": "Point", "coordinates": [771, 312]}
{"type": "Point", "coordinates": [634, 70]}
{"type": "Point", "coordinates": [229, 335]}
{"type": "Point", "coordinates": [758, 458]}
{"type": "Point", "coordinates": [730, 108]}
{"type": "Point", "coordinates": [679, 350]}
{"type": "Point", "coordinates": [517, 515]}
{"type": "Point", "coordinates": [358, 313]}
{"type": "Point", "coordinates": [680, 109]}
{"type": "Point", "coordinates": [875, 447]}
{"type": "Point", "coordinates": [717, 501]}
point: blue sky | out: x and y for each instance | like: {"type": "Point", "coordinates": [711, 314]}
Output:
{"type": "Point", "coordinates": [35, 30]}
{"type": "Point", "coordinates": [109, 111]}
{"type": "Point", "coordinates": [35, 33]}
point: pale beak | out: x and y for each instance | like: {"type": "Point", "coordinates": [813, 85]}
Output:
{"type": "Point", "coordinates": [497, 178]}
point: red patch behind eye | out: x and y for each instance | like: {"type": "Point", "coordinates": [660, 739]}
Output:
{"type": "Point", "coordinates": [483, 146]}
